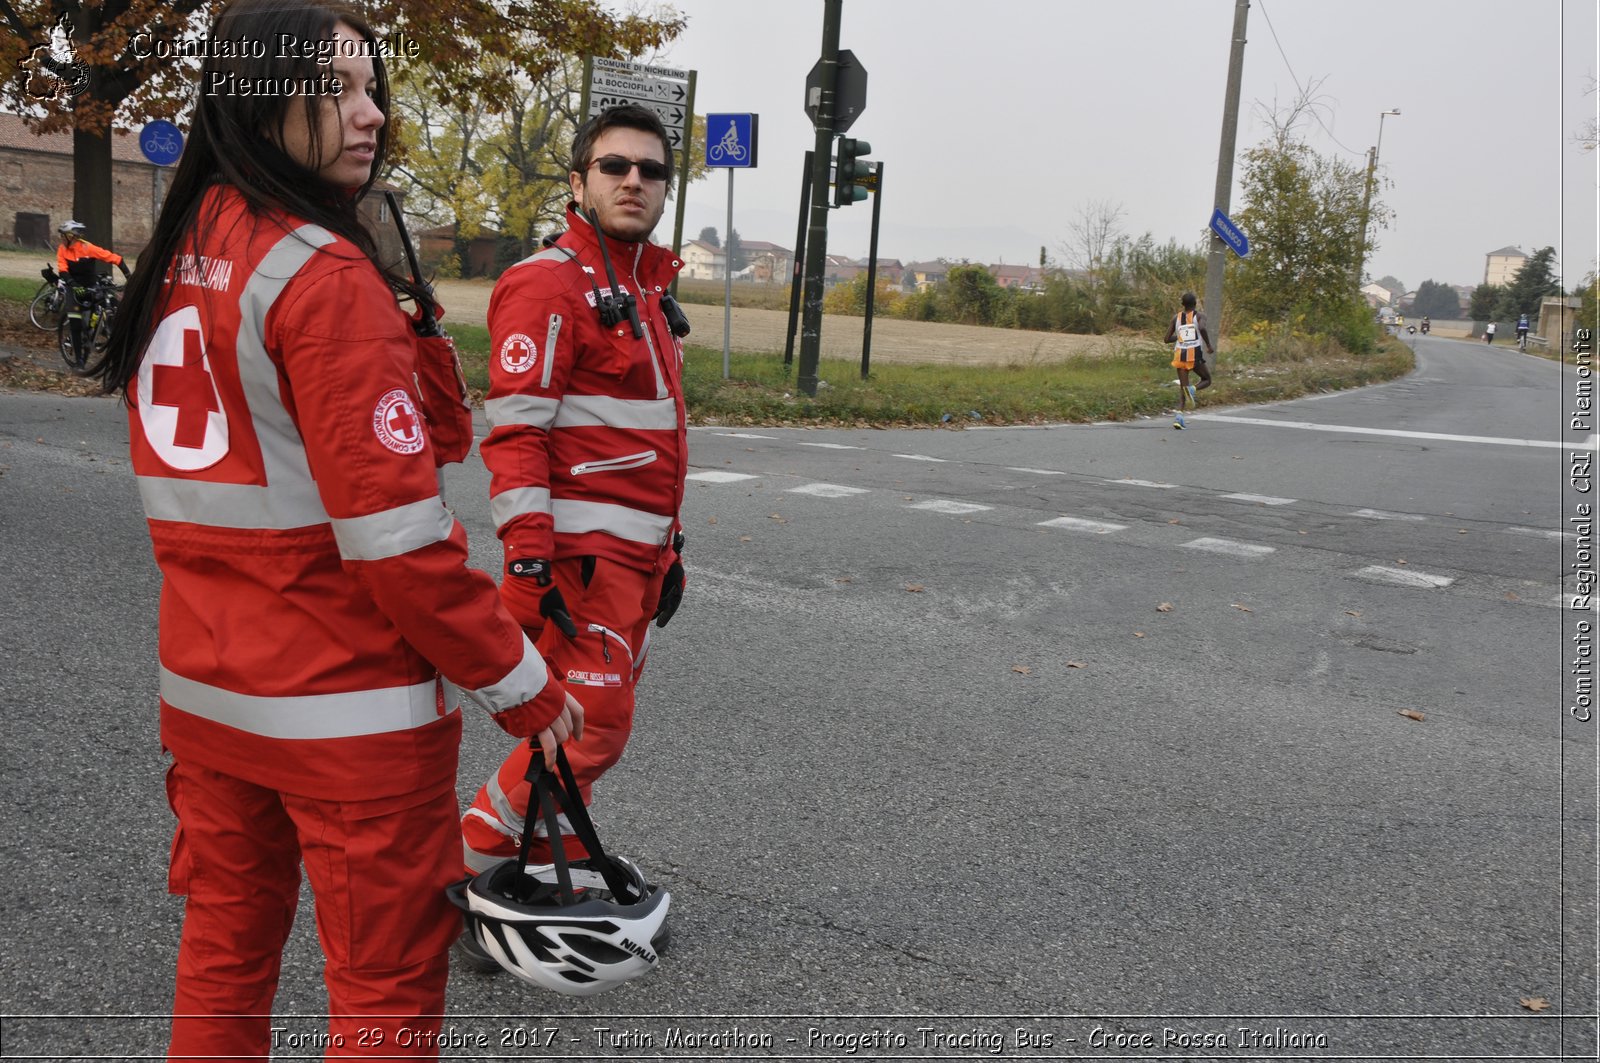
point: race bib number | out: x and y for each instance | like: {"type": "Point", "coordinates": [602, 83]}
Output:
{"type": "Point", "coordinates": [1188, 333]}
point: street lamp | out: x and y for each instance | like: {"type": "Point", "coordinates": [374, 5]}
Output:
{"type": "Point", "coordinates": [1366, 200]}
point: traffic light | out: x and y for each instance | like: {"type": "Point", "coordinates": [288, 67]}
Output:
{"type": "Point", "coordinates": [852, 174]}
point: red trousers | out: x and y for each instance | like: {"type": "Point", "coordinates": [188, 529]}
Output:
{"type": "Point", "coordinates": [601, 667]}
{"type": "Point", "coordinates": [378, 869]}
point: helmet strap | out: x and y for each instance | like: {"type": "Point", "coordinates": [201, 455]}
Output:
{"type": "Point", "coordinates": [561, 790]}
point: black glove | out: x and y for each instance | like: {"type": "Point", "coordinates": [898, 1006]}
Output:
{"type": "Point", "coordinates": [552, 606]}
{"type": "Point", "coordinates": [671, 586]}
{"type": "Point", "coordinates": [123, 266]}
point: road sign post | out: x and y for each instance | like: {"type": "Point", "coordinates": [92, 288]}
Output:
{"type": "Point", "coordinates": [730, 144]}
{"type": "Point", "coordinates": [817, 242]}
{"type": "Point", "coordinates": [1230, 233]}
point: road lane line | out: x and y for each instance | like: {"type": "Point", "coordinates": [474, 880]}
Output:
{"type": "Point", "coordinates": [1378, 514]}
{"type": "Point", "coordinates": [1443, 437]}
{"type": "Point", "coordinates": [1094, 527]}
{"type": "Point", "coordinates": [1541, 533]}
{"type": "Point", "coordinates": [744, 435]}
{"type": "Point", "coordinates": [827, 490]}
{"type": "Point", "coordinates": [1264, 500]}
{"type": "Point", "coordinates": [1405, 577]}
{"type": "Point", "coordinates": [717, 476]}
{"type": "Point", "coordinates": [1230, 547]}
{"type": "Point", "coordinates": [1040, 472]}
{"type": "Point", "coordinates": [830, 446]}
{"type": "Point", "coordinates": [945, 505]}
{"type": "Point", "coordinates": [1130, 482]}
{"type": "Point", "coordinates": [921, 457]}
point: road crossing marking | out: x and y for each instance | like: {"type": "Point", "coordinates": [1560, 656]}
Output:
{"type": "Point", "coordinates": [1378, 514]}
{"type": "Point", "coordinates": [1040, 472]}
{"type": "Point", "coordinates": [744, 435]}
{"type": "Point", "coordinates": [1405, 577]}
{"type": "Point", "coordinates": [830, 446]}
{"type": "Point", "coordinates": [1264, 500]}
{"type": "Point", "coordinates": [1593, 444]}
{"type": "Point", "coordinates": [921, 457]}
{"type": "Point", "coordinates": [827, 490]}
{"type": "Point", "coordinates": [945, 505]}
{"type": "Point", "coordinates": [1541, 533]}
{"type": "Point", "coordinates": [1230, 546]}
{"type": "Point", "coordinates": [717, 476]}
{"type": "Point", "coordinates": [1129, 482]}
{"type": "Point", "coordinates": [1094, 527]}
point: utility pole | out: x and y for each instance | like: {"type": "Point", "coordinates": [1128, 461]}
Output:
{"type": "Point", "coordinates": [1366, 199]}
{"type": "Point", "coordinates": [1224, 193]}
{"type": "Point", "coordinates": [817, 236]}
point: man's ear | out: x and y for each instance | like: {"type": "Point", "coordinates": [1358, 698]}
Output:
{"type": "Point", "coordinates": [575, 181]}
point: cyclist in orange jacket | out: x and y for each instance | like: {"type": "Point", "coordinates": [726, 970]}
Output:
{"type": "Point", "coordinates": [74, 260]}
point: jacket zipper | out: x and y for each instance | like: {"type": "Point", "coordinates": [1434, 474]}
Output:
{"type": "Point", "coordinates": [627, 461]}
{"type": "Point", "coordinates": [649, 338]}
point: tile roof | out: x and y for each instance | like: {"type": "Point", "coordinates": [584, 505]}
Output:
{"type": "Point", "coordinates": [15, 134]}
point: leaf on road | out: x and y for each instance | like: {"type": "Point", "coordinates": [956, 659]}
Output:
{"type": "Point", "coordinates": [1412, 714]}
{"type": "Point", "coordinates": [1512, 596]}
{"type": "Point", "coordinates": [1138, 634]}
{"type": "Point", "coordinates": [1399, 560]}
{"type": "Point", "coordinates": [1351, 612]}
{"type": "Point", "coordinates": [1534, 1003]}
{"type": "Point", "coordinates": [1243, 608]}
{"type": "Point", "coordinates": [841, 579]}
{"type": "Point", "coordinates": [1174, 520]}
{"type": "Point", "coordinates": [744, 538]}
{"type": "Point", "coordinates": [1304, 532]}
{"type": "Point", "coordinates": [1461, 531]}
{"type": "Point", "coordinates": [914, 588]}
{"type": "Point", "coordinates": [1076, 664]}
{"type": "Point", "coordinates": [1022, 669]}
{"type": "Point", "coordinates": [778, 518]}
{"type": "Point", "coordinates": [1164, 607]}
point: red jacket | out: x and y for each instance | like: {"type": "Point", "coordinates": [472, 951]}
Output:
{"type": "Point", "coordinates": [587, 451]}
{"type": "Point", "coordinates": [81, 249]}
{"type": "Point", "coordinates": [314, 584]}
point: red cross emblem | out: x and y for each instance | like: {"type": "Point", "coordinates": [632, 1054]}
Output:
{"type": "Point", "coordinates": [517, 353]}
{"type": "Point", "coordinates": [396, 424]}
{"type": "Point", "coordinates": [188, 388]}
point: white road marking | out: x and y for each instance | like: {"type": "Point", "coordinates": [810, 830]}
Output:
{"type": "Point", "coordinates": [1593, 444]}
{"type": "Point", "coordinates": [1129, 482]}
{"type": "Point", "coordinates": [717, 476]}
{"type": "Point", "coordinates": [1095, 527]}
{"type": "Point", "coordinates": [1229, 546]}
{"type": "Point", "coordinates": [921, 457]}
{"type": "Point", "coordinates": [830, 446]}
{"type": "Point", "coordinates": [945, 505]}
{"type": "Point", "coordinates": [1541, 533]}
{"type": "Point", "coordinates": [744, 435]}
{"type": "Point", "coordinates": [1264, 500]}
{"type": "Point", "coordinates": [1040, 472]}
{"type": "Point", "coordinates": [1378, 514]}
{"type": "Point", "coordinates": [827, 490]}
{"type": "Point", "coordinates": [1405, 577]}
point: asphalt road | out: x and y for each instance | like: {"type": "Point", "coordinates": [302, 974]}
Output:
{"type": "Point", "coordinates": [1082, 740]}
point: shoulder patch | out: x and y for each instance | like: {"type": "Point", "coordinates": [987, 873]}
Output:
{"type": "Point", "coordinates": [397, 424]}
{"type": "Point", "coordinates": [518, 354]}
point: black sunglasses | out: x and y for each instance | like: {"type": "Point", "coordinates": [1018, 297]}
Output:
{"type": "Point", "coordinates": [618, 166]}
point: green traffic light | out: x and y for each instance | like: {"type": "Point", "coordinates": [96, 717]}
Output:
{"type": "Point", "coordinates": [850, 168]}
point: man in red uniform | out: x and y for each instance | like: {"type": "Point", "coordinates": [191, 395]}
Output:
{"type": "Point", "coordinates": [587, 453]}
{"type": "Point", "coordinates": [74, 262]}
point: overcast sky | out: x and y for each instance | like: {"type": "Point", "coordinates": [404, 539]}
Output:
{"type": "Point", "coordinates": [999, 122]}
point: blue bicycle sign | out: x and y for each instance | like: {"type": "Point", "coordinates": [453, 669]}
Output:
{"type": "Point", "coordinates": [731, 140]}
{"type": "Point", "coordinates": [161, 142]}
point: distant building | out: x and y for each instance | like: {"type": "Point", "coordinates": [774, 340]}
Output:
{"type": "Point", "coordinates": [1025, 278]}
{"type": "Point", "coordinates": [1502, 265]}
{"type": "Point", "coordinates": [921, 276]}
{"type": "Point", "coordinates": [702, 262]}
{"type": "Point", "coordinates": [1376, 294]}
{"type": "Point", "coordinates": [765, 262]}
{"type": "Point", "coordinates": [437, 244]}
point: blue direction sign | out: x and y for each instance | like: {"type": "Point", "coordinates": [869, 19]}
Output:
{"type": "Point", "coordinates": [731, 140]}
{"type": "Point", "coordinates": [1229, 233]}
{"type": "Point", "coordinates": [161, 142]}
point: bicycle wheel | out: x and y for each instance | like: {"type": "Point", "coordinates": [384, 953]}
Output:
{"type": "Point", "coordinates": [75, 356]}
{"type": "Point", "coordinates": [45, 310]}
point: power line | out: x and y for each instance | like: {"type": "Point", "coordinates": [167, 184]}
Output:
{"type": "Point", "coordinates": [1262, 4]}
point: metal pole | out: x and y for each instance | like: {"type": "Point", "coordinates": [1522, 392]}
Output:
{"type": "Point", "coordinates": [683, 176]}
{"type": "Point", "coordinates": [1224, 193]}
{"type": "Point", "coordinates": [796, 277]}
{"type": "Point", "coordinates": [817, 249]}
{"type": "Point", "coordinates": [872, 274]}
{"type": "Point", "coordinates": [1366, 209]}
{"type": "Point", "coordinates": [727, 281]}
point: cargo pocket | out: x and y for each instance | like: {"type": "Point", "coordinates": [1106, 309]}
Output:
{"type": "Point", "coordinates": [180, 862]}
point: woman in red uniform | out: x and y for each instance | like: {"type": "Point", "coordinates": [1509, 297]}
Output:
{"type": "Point", "coordinates": [315, 589]}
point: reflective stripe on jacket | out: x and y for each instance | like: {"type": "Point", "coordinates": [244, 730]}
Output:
{"type": "Point", "coordinates": [314, 585]}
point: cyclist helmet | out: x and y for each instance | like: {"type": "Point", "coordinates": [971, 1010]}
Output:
{"type": "Point", "coordinates": [577, 943]}
{"type": "Point", "coordinates": [72, 228]}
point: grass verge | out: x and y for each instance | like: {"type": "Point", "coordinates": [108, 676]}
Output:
{"type": "Point", "coordinates": [1135, 380]}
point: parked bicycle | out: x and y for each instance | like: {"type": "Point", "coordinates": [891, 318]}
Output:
{"type": "Point", "coordinates": [96, 309]}
{"type": "Point", "coordinates": [45, 310]}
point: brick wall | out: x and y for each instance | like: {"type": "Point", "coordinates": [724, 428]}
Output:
{"type": "Point", "coordinates": [34, 182]}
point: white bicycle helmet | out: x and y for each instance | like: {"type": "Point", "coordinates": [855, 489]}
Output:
{"type": "Point", "coordinates": [577, 928]}
{"type": "Point", "coordinates": [71, 228]}
{"type": "Point", "coordinates": [581, 948]}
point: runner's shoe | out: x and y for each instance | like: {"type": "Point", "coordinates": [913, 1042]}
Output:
{"type": "Point", "coordinates": [1192, 397]}
{"type": "Point", "coordinates": [1178, 421]}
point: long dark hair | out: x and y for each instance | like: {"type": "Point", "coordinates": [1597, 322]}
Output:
{"type": "Point", "coordinates": [232, 140]}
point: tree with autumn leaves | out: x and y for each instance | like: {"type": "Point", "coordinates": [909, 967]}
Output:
{"type": "Point", "coordinates": [121, 61]}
